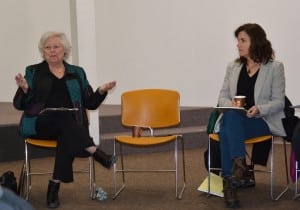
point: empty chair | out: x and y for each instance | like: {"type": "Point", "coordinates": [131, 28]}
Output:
{"type": "Point", "coordinates": [145, 111]}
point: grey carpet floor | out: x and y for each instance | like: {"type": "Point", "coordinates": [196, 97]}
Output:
{"type": "Point", "coordinates": [154, 191]}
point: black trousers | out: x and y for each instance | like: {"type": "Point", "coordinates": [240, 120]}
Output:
{"type": "Point", "coordinates": [296, 141]}
{"type": "Point", "coordinates": [72, 140]}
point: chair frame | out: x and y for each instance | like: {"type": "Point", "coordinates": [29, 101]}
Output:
{"type": "Point", "coordinates": [271, 170]}
{"type": "Point", "coordinates": [175, 170]}
{"type": "Point", "coordinates": [145, 123]}
{"type": "Point", "coordinates": [25, 186]}
{"type": "Point", "coordinates": [297, 170]}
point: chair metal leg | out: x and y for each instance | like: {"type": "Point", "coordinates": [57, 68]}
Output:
{"type": "Point", "coordinates": [116, 190]}
{"type": "Point", "coordinates": [92, 180]}
{"type": "Point", "coordinates": [179, 195]}
{"type": "Point", "coordinates": [27, 183]}
{"type": "Point", "coordinates": [297, 194]}
{"type": "Point", "coordinates": [208, 167]}
{"type": "Point", "coordinates": [22, 191]}
{"type": "Point", "coordinates": [273, 196]}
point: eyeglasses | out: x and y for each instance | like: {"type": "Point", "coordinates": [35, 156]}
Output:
{"type": "Point", "coordinates": [54, 47]}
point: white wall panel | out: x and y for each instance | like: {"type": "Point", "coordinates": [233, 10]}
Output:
{"type": "Point", "coordinates": [186, 45]}
{"type": "Point", "coordinates": [22, 24]}
{"type": "Point", "coordinates": [179, 44]}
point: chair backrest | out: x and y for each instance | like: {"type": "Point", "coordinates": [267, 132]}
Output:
{"type": "Point", "coordinates": [155, 108]}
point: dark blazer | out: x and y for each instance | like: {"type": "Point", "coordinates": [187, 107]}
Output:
{"type": "Point", "coordinates": [37, 76]}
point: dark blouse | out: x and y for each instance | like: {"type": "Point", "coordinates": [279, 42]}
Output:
{"type": "Point", "coordinates": [59, 95]}
{"type": "Point", "coordinates": [245, 86]}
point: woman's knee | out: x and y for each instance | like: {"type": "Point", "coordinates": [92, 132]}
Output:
{"type": "Point", "coordinates": [232, 116]}
{"type": "Point", "coordinates": [231, 113]}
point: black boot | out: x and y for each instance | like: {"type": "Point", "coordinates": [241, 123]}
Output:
{"type": "Point", "coordinates": [104, 159]}
{"type": "Point", "coordinates": [230, 193]}
{"type": "Point", "coordinates": [250, 180]}
{"type": "Point", "coordinates": [52, 194]}
{"type": "Point", "coordinates": [241, 176]}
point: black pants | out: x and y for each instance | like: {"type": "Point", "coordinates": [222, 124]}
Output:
{"type": "Point", "coordinates": [296, 141]}
{"type": "Point", "coordinates": [72, 140]}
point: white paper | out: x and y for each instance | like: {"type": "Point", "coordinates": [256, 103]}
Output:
{"type": "Point", "coordinates": [60, 109]}
{"type": "Point", "coordinates": [296, 106]}
{"type": "Point", "coordinates": [226, 108]}
{"type": "Point", "coordinates": [216, 185]}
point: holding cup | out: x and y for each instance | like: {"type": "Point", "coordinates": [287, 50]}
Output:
{"type": "Point", "coordinates": [240, 101]}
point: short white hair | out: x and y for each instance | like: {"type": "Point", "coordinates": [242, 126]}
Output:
{"type": "Point", "coordinates": [63, 39]}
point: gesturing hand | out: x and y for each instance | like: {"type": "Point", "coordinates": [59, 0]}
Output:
{"type": "Point", "coordinates": [21, 82]}
{"type": "Point", "coordinates": [107, 86]}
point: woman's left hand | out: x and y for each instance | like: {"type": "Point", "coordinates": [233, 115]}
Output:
{"type": "Point", "coordinates": [252, 112]}
{"type": "Point", "coordinates": [107, 86]}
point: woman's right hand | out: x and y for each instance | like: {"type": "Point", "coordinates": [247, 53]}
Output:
{"type": "Point", "coordinates": [21, 82]}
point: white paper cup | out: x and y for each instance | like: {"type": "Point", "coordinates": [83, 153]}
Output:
{"type": "Point", "coordinates": [240, 101]}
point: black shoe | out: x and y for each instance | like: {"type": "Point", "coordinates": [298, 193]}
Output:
{"type": "Point", "coordinates": [104, 159]}
{"type": "Point", "coordinates": [242, 174]}
{"type": "Point", "coordinates": [52, 194]}
{"type": "Point", "coordinates": [230, 194]}
{"type": "Point", "coordinates": [250, 178]}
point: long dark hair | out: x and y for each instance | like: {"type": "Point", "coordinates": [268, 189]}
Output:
{"type": "Point", "coordinates": [260, 50]}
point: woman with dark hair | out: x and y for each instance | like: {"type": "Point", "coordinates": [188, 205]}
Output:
{"type": "Point", "coordinates": [256, 75]}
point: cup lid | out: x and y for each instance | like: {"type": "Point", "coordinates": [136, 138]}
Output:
{"type": "Point", "coordinates": [240, 96]}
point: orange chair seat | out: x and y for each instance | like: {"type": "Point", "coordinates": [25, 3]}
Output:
{"type": "Point", "coordinates": [145, 140]}
{"type": "Point", "coordinates": [253, 140]}
{"type": "Point", "coordinates": [42, 142]}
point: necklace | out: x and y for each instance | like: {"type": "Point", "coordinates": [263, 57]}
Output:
{"type": "Point", "coordinates": [252, 68]}
{"type": "Point", "coordinates": [58, 72]}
